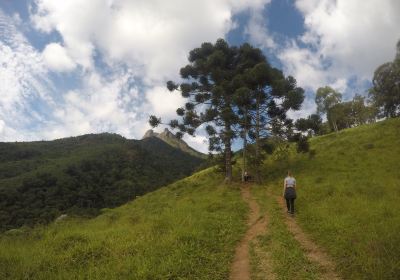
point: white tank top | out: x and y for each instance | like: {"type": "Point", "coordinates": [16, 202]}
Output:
{"type": "Point", "coordinates": [290, 182]}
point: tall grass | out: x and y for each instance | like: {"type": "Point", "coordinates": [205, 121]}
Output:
{"type": "Point", "coordinates": [349, 197]}
{"type": "Point", "coordinates": [187, 230]}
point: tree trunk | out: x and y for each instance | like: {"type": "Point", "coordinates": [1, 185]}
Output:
{"type": "Point", "coordinates": [335, 126]}
{"type": "Point", "coordinates": [228, 154]}
{"type": "Point", "coordinates": [244, 146]}
{"type": "Point", "coordinates": [258, 175]}
{"type": "Point", "coordinates": [332, 121]}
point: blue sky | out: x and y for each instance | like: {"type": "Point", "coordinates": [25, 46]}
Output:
{"type": "Point", "coordinates": [74, 67]}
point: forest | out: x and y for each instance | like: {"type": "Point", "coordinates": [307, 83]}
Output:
{"type": "Point", "coordinates": [81, 175]}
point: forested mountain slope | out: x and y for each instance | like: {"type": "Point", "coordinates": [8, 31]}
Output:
{"type": "Point", "coordinates": [42, 180]}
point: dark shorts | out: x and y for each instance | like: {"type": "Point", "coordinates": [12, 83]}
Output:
{"type": "Point", "coordinates": [290, 193]}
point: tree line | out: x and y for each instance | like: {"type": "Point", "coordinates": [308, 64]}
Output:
{"type": "Point", "coordinates": [382, 101]}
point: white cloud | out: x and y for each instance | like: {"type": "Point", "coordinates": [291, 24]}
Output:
{"type": "Point", "coordinates": [56, 58]}
{"type": "Point", "coordinates": [343, 39]}
{"type": "Point", "coordinates": [164, 102]}
{"type": "Point", "coordinates": [23, 82]}
{"type": "Point", "coordinates": [198, 142]}
{"type": "Point", "coordinates": [152, 36]}
{"type": "Point", "coordinates": [101, 105]}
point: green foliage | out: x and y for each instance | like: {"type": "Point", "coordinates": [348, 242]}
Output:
{"type": "Point", "coordinates": [385, 92]}
{"type": "Point", "coordinates": [312, 124]}
{"type": "Point", "coordinates": [187, 230]}
{"type": "Point", "coordinates": [326, 98]}
{"type": "Point", "coordinates": [81, 175]}
{"type": "Point", "coordinates": [302, 145]}
{"type": "Point", "coordinates": [340, 115]}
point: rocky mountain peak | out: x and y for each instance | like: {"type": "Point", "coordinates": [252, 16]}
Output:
{"type": "Point", "coordinates": [167, 133]}
{"type": "Point", "coordinates": [149, 133]}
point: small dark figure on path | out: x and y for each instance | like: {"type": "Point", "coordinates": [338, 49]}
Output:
{"type": "Point", "coordinates": [246, 176]}
{"type": "Point", "coordinates": [289, 192]}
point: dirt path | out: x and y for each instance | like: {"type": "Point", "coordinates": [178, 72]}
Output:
{"type": "Point", "coordinates": [240, 269]}
{"type": "Point", "coordinates": [313, 252]}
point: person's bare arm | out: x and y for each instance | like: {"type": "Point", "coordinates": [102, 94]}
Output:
{"type": "Point", "coordinates": [284, 187]}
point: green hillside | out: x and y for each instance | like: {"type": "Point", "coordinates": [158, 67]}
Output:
{"type": "Point", "coordinates": [348, 203]}
{"type": "Point", "coordinates": [187, 230]}
{"type": "Point", "coordinates": [349, 197]}
{"type": "Point", "coordinates": [80, 175]}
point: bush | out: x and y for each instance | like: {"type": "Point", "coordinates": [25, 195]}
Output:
{"type": "Point", "coordinates": [312, 153]}
{"type": "Point", "coordinates": [303, 145]}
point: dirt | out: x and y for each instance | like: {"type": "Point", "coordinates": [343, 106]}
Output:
{"type": "Point", "coordinates": [264, 267]}
{"type": "Point", "coordinates": [257, 225]}
{"type": "Point", "coordinates": [313, 252]}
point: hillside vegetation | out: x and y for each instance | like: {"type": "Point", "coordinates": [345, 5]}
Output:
{"type": "Point", "coordinates": [187, 230]}
{"type": "Point", "coordinates": [348, 203]}
{"type": "Point", "coordinates": [80, 175]}
{"type": "Point", "coordinates": [348, 197]}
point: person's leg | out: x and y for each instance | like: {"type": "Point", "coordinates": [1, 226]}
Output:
{"type": "Point", "coordinates": [288, 204]}
{"type": "Point", "coordinates": [292, 205]}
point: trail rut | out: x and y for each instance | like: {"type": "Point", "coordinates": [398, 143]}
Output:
{"type": "Point", "coordinates": [313, 252]}
{"type": "Point", "coordinates": [240, 269]}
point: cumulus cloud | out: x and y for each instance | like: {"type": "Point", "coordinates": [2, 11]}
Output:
{"type": "Point", "coordinates": [150, 36]}
{"type": "Point", "coordinates": [343, 39]}
{"type": "Point", "coordinates": [56, 58]}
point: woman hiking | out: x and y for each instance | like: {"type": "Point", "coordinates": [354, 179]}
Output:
{"type": "Point", "coordinates": [289, 192]}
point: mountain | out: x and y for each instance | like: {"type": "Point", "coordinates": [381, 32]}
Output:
{"type": "Point", "coordinates": [80, 175]}
{"type": "Point", "coordinates": [170, 138]}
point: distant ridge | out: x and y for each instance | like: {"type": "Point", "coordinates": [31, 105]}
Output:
{"type": "Point", "coordinates": [170, 138]}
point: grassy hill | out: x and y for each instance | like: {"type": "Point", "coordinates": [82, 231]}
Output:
{"type": "Point", "coordinates": [187, 230]}
{"type": "Point", "coordinates": [348, 202]}
{"type": "Point", "coordinates": [349, 197]}
{"type": "Point", "coordinates": [80, 175]}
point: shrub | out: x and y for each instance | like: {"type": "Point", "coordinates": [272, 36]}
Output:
{"type": "Point", "coordinates": [303, 145]}
{"type": "Point", "coordinates": [311, 154]}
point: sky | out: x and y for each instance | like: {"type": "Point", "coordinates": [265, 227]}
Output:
{"type": "Point", "coordinates": [74, 67]}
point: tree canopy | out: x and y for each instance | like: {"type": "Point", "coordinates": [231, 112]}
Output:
{"type": "Point", "coordinates": [385, 92]}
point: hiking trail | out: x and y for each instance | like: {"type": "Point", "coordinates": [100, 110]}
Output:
{"type": "Point", "coordinates": [313, 252]}
{"type": "Point", "coordinates": [257, 225]}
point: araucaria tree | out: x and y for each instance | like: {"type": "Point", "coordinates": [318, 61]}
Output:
{"type": "Point", "coordinates": [209, 87]}
{"type": "Point", "coordinates": [269, 95]}
{"type": "Point", "coordinates": [230, 91]}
